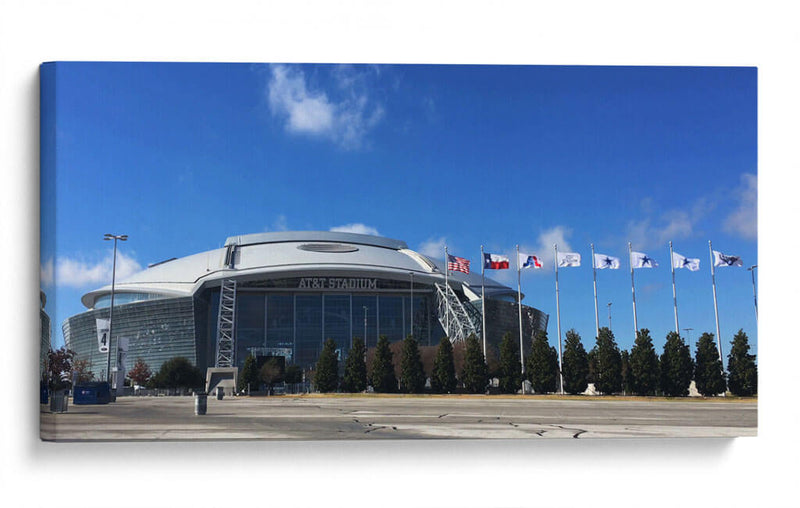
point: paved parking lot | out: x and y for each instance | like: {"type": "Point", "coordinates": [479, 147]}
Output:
{"type": "Point", "coordinates": [427, 417]}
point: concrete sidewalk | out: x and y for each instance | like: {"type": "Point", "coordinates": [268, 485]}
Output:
{"type": "Point", "coordinates": [401, 417]}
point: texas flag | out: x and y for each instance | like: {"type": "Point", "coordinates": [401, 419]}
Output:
{"type": "Point", "coordinates": [495, 262]}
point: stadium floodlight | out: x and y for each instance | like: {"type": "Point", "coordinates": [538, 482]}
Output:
{"type": "Point", "coordinates": [109, 236]}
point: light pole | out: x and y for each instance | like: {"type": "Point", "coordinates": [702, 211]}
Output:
{"type": "Point", "coordinates": [609, 316]}
{"type": "Point", "coordinates": [752, 271]}
{"type": "Point", "coordinates": [365, 331]}
{"type": "Point", "coordinates": [412, 302]}
{"type": "Point", "coordinates": [109, 236]}
{"type": "Point", "coordinates": [688, 334]}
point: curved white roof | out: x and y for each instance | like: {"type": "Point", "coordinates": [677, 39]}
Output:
{"type": "Point", "coordinates": [291, 254]}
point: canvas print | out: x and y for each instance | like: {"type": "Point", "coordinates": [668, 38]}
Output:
{"type": "Point", "coordinates": [280, 251]}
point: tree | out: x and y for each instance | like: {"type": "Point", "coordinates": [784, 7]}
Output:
{"type": "Point", "coordinates": [644, 369]}
{"type": "Point", "coordinates": [676, 367]}
{"type": "Point", "coordinates": [326, 373]}
{"type": "Point", "coordinates": [271, 372]}
{"type": "Point", "coordinates": [625, 371]}
{"type": "Point", "coordinates": [382, 377]}
{"type": "Point", "coordinates": [443, 378]}
{"type": "Point", "coordinates": [249, 377]}
{"type": "Point", "coordinates": [606, 363]}
{"type": "Point", "coordinates": [510, 367]}
{"type": "Point", "coordinates": [59, 368]}
{"type": "Point", "coordinates": [140, 374]}
{"type": "Point", "coordinates": [709, 379]}
{"type": "Point", "coordinates": [575, 364]}
{"type": "Point", "coordinates": [178, 372]}
{"type": "Point", "coordinates": [81, 368]}
{"type": "Point", "coordinates": [412, 377]}
{"type": "Point", "coordinates": [476, 373]}
{"type": "Point", "coordinates": [293, 374]}
{"type": "Point", "coordinates": [742, 368]}
{"type": "Point", "coordinates": [542, 368]}
{"type": "Point", "coordinates": [355, 368]}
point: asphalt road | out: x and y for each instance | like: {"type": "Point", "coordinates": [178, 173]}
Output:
{"type": "Point", "coordinates": [426, 417]}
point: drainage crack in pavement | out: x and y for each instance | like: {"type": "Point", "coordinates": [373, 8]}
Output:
{"type": "Point", "coordinates": [578, 432]}
{"type": "Point", "coordinates": [374, 428]}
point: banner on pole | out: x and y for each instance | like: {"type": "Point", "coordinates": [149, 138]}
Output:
{"type": "Point", "coordinates": [102, 334]}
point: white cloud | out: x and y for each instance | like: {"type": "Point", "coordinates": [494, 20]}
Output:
{"type": "Point", "coordinates": [46, 273]}
{"type": "Point", "coordinates": [80, 274]}
{"type": "Point", "coordinates": [651, 232]}
{"type": "Point", "coordinates": [279, 224]}
{"type": "Point", "coordinates": [543, 248]}
{"type": "Point", "coordinates": [310, 111]}
{"type": "Point", "coordinates": [433, 247]}
{"type": "Point", "coordinates": [743, 221]}
{"type": "Point", "coordinates": [356, 228]}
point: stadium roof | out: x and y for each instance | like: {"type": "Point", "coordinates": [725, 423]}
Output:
{"type": "Point", "coordinates": [294, 254]}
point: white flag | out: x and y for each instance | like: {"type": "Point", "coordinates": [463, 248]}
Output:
{"type": "Point", "coordinates": [679, 261]}
{"type": "Point", "coordinates": [102, 334]}
{"type": "Point", "coordinates": [721, 259]}
{"type": "Point", "coordinates": [642, 260]}
{"type": "Point", "coordinates": [569, 259]}
{"type": "Point", "coordinates": [529, 261]}
{"type": "Point", "coordinates": [601, 261]}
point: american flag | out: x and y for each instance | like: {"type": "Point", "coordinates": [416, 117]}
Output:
{"type": "Point", "coordinates": [457, 264]}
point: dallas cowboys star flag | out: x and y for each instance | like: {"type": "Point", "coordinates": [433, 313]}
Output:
{"type": "Point", "coordinates": [678, 261]}
{"type": "Point", "coordinates": [642, 260]}
{"type": "Point", "coordinates": [721, 259]}
{"type": "Point", "coordinates": [602, 261]}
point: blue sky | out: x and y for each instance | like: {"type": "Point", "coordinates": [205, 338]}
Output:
{"type": "Point", "coordinates": [181, 156]}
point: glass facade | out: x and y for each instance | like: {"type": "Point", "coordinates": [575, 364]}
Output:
{"type": "Point", "coordinates": [300, 322]}
{"type": "Point", "coordinates": [104, 302]}
{"type": "Point", "coordinates": [294, 324]}
{"type": "Point", "coordinates": [308, 328]}
{"type": "Point", "coordinates": [156, 331]}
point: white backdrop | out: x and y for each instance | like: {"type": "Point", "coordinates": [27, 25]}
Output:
{"type": "Point", "coordinates": [719, 472]}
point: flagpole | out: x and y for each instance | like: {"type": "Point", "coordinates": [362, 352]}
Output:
{"type": "Point", "coordinates": [558, 319]}
{"type": "Point", "coordinates": [674, 294]}
{"type": "Point", "coordinates": [596, 312]}
{"type": "Point", "coordinates": [716, 312]}
{"type": "Point", "coordinates": [483, 302]}
{"type": "Point", "coordinates": [633, 294]}
{"type": "Point", "coordinates": [447, 293]}
{"type": "Point", "coordinates": [519, 306]}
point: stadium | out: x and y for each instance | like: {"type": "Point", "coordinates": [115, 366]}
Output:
{"type": "Point", "coordinates": [284, 293]}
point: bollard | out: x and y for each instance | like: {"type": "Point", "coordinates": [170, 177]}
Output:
{"type": "Point", "coordinates": [200, 403]}
{"type": "Point", "coordinates": [220, 392]}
